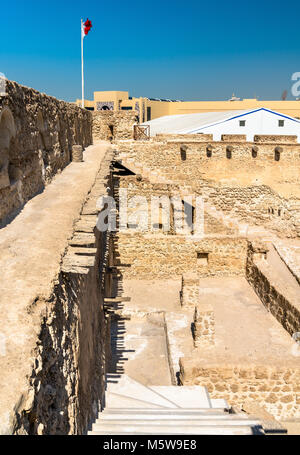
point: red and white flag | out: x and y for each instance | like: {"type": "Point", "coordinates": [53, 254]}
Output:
{"type": "Point", "coordinates": [86, 27]}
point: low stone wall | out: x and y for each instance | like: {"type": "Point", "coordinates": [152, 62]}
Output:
{"type": "Point", "coordinates": [140, 187]}
{"type": "Point", "coordinates": [66, 384]}
{"type": "Point", "coordinates": [37, 133]}
{"type": "Point", "coordinates": [113, 125]}
{"type": "Point", "coordinates": [204, 325]}
{"type": "Point", "coordinates": [277, 389]}
{"type": "Point", "coordinates": [182, 137]}
{"type": "Point", "coordinates": [258, 205]}
{"type": "Point", "coordinates": [278, 298]}
{"type": "Point", "coordinates": [189, 294]}
{"type": "Point", "coordinates": [165, 256]}
{"type": "Point", "coordinates": [249, 183]}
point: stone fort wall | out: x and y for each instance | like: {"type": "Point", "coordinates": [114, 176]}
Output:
{"type": "Point", "coordinates": [275, 388]}
{"type": "Point", "coordinates": [37, 133]}
{"type": "Point", "coordinates": [167, 256]}
{"type": "Point", "coordinates": [66, 370]}
{"type": "Point", "coordinates": [254, 182]}
{"type": "Point", "coordinates": [113, 125]}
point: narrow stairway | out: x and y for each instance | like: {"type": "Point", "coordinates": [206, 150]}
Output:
{"type": "Point", "coordinates": [135, 409]}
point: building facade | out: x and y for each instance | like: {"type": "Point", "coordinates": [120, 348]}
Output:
{"type": "Point", "coordinates": [149, 108]}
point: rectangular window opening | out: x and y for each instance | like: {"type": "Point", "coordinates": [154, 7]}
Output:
{"type": "Point", "coordinates": [202, 258]}
{"type": "Point", "coordinates": [242, 122]}
{"type": "Point", "coordinates": [281, 123]}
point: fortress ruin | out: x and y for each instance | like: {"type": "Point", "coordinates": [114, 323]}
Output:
{"type": "Point", "coordinates": [80, 306]}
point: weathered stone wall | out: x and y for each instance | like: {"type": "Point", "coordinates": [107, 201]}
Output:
{"type": "Point", "coordinates": [66, 385]}
{"type": "Point", "coordinates": [37, 133]}
{"type": "Point", "coordinates": [189, 293]}
{"type": "Point", "coordinates": [258, 205]}
{"type": "Point", "coordinates": [277, 297]}
{"type": "Point", "coordinates": [164, 256]}
{"type": "Point", "coordinates": [137, 187]}
{"type": "Point", "coordinates": [277, 389]}
{"type": "Point", "coordinates": [182, 137]}
{"type": "Point", "coordinates": [204, 325]}
{"type": "Point", "coordinates": [113, 125]}
{"type": "Point", "coordinates": [240, 178]}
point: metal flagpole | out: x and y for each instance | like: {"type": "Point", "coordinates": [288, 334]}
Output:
{"type": "Point", "coordinates": [82, 69]}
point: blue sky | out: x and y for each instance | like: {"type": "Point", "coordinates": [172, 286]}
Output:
{"type": "Point", "coordinates": [187, 50]}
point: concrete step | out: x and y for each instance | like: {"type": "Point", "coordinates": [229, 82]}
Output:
{"type": "Point", "coordinates": [219, 403]}
{"type": "Point", "coordinates": [104, 418]}
{"type": "Point", "coordinates": [185, 397]}
{"type": "Point", "coordinates": [163, 411]}
{"type": "Point", "coordinates": [114, 401]}
{"type": "Point", "coordinates": [242, 430]}
{"type": "Point", "coordinates": [133, 408]}
{"type": "Point", "coordinates": [130, 388]}
{"type": "Point", "coordinates": [111, 425]}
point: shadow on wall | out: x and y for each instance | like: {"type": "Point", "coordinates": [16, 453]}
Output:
{"type": "Point", "coordinates": [37, 133]}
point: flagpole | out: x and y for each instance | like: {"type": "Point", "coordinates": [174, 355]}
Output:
{"type": "Point", "coordinates": [82, 68]}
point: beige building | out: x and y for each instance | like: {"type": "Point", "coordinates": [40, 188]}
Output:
{"type": "Point", "coordinates": [149, 108]}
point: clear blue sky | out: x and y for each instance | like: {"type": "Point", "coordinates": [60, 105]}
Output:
{"type": "Point", "coordinates": [188, 50]}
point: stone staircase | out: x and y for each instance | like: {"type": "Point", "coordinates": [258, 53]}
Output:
{"type": "Point", "coordinates": [136, 409]}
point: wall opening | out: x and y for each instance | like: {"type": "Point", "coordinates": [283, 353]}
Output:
{"type": "Point", "coordinates": [229, 152]}
{"type": "Point", "coordinates": [202, 258]}
{"type": "Point", "coordinates": [277, 153]}
{"type": "Point", "coordinates": [254, 151]}
{"type": "Point", "coordinates": [183, 150]}
{"type": "Point", "coordinates": [111, 131]}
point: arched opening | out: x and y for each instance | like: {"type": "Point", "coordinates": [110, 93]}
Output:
{"type": "Point", "coordinates": [105, 108]}
{"type": "Point", "coordinates": [7, 132]}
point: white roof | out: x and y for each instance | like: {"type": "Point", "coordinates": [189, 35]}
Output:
{"type": "Point", "coordinates": [185, 122]}
{"type": "Point", "coordinates": [192, 123]}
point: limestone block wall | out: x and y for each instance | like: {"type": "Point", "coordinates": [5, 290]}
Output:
{"type": "Point", "coordinates": [164, 256]}
{"type": "Point", "coordinates": [249, 184]}
{"type": "Point", "coordinates": [204, 325]}
{"type": "Point", "coordinates": [277, 389]}
{"type": "Point", "coordinates": [66, 383]}
{"type": "Point", "coordinates": [37, 133]}
{"type": "Point", "coordinates": [249, 162]}
{"type": "Point", "coordinates": [137, 186]}
{"type": "Point", "coordinates": [278, 298]}
{"type": "Point", "coordinates": [113, 125]}
{"type": "Point", "coordinates": [182, 137]}
{"type": "Point", "coordinates": [258, 205]}
{"type": "Point", "coordinates": [189, 294]}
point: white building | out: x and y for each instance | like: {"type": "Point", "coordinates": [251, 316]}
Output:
{"type": "Point", "coordinates": [249, 123]}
